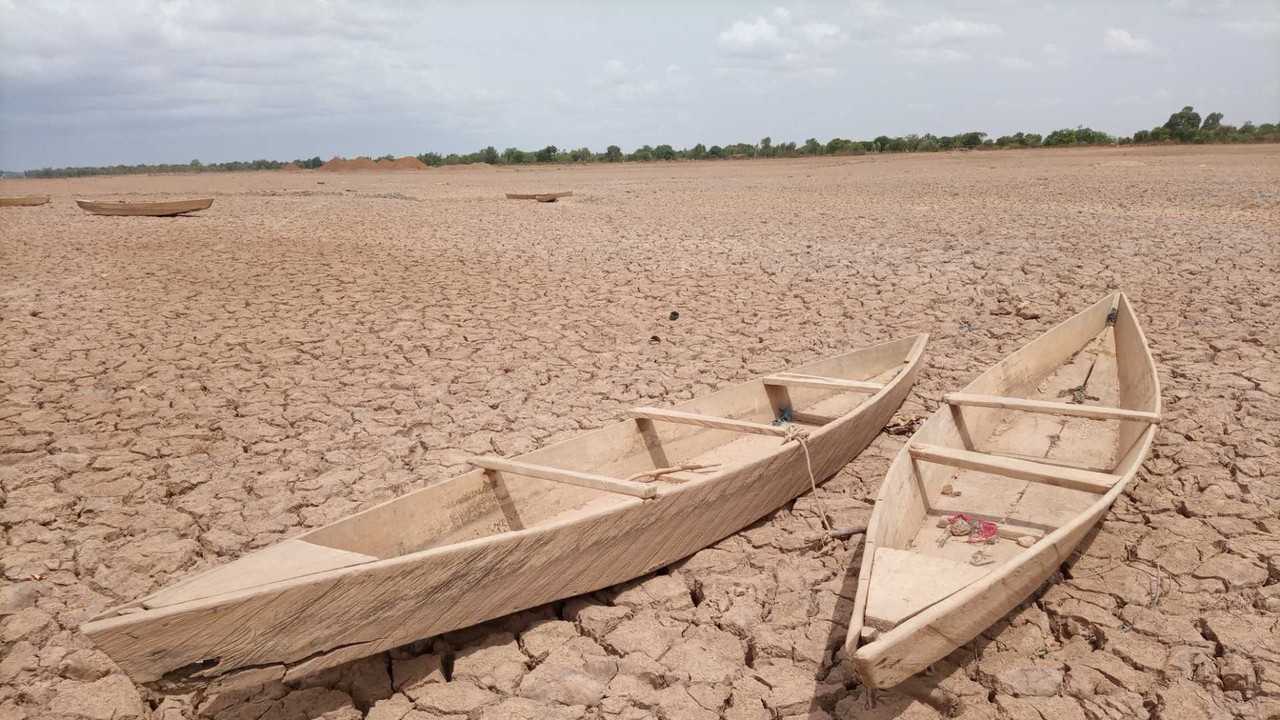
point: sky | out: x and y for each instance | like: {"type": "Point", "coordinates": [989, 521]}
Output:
{"type": "Point", "coordinates": [144, 81]}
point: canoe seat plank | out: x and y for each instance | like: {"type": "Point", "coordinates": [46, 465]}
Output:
{"type": "Point", "coordinates": [1095, 412]}
{"type": "Point", "coordinates": [1056, 475]}
{"type": "Point", "coordinates": [708, 421]}
{"type": "Point", "coordinates": [571, 477]}
{"type": "Point", "coordinates": [289, 559]}
{"type": "Point", "coordinates": [826, 383]}
{"type": "Point", "coordinates": [903, 583]}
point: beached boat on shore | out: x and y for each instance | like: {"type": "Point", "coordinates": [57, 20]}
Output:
{"type": "Point", "coordinates": [23, 200]}
{"type": "Point", "coordinates": [168, 208]}
{"type": "Point", "coordinates": [583, 514]}
{"type": "Point", "coordinates": [997, 488]}
{"type": "Point", "coordinates": [540, 197]}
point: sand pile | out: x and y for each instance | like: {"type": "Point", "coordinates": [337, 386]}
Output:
{"type": "Point", "coordinates": [405, 163]}
{"type": "Point", "coordinates": [338, 164]}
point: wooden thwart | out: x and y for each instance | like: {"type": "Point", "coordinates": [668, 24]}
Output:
{"type": "Point", "coordinates": [571, 477]}
{"type": "Point", "coordinates": [1095, 412]}
{"type": "Point", "coordinates": [815, 381]}
{"type": "Point", "coordinates": [708, 421]}
{"type": "Point", "coordinates": [1056, 475]}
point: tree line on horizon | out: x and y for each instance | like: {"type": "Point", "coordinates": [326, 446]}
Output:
{"type": "Point", "coordinates": [1184, 126]}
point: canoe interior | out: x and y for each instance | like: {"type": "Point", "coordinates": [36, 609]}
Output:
{"type": "Point", "coordinates": [477, 504]}
{"type": "Point", "coordinates": [916, 562]}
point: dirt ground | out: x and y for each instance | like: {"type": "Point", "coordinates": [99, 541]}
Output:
{"type": "Point", "coordinates": [177, 392]}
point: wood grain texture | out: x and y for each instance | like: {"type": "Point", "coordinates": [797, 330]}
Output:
{"type": "Point", "coordinates": [786, 379]}
{"type": "Point", "coordinates": [573, 477]}
{"type": "Point", "coordinates": [909, 488]}
{"type": "Point", "coordinates": [459, 579]}
{"type": "Point", "coordinates": [1015, 468]}
{"type": "Point", "coordinates": [708, 421]}
{"type": "Point", "coordinates": [1095, 412]}
{"type": "Point", "coordinates": [145, 209]}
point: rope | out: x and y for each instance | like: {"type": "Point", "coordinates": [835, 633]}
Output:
{"type": "Point", "coordinates": [653, 474]}
{"type": "Point", "coordinates": [801, 435]}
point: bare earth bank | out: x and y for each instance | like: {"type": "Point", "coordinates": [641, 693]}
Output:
{"type": "Point", "coordinates": [177, 392]}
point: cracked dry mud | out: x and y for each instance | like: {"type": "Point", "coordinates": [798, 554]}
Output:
{"type": "Point", "coordinates": [175, 393]}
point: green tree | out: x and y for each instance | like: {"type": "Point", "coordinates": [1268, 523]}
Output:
{"type": "Point", "coordinates": [1212, 121]}
{"type": "Point", "coordinates": [715, 151]}
{"type": "Point", "coordinates": [489, 155]}
{"type": "Point", "coordinates": [697, 152]}
{"type": "Point", "coordinates": [431, 158]}
{"type": "Point", "coordinates": [766, 147]}
{"type": "Point", "coordinates": [643, 153]}
{"type": "Point", "coordinates": [1184, 124]}
{"type": "Point", "coordinates": [546, 154]}
{"type": "Point", "coordinates": [613, 154]}
{"type": "Point", "coordinates": [514, 156]}
{"type": "Point", "coordinates": [664, 152]}
{"type": "Point", "coordinates": [811, 147]}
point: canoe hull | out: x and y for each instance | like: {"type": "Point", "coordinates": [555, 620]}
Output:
{"type": "Point", "coordinates": [318, 621]}
{"type": "Point", "coordinates": [540, 197]}
{"type": "Point", "coordinates": [938, 630]}
{"type": "Point", "coordinates": [145, 209]}
{"type": "Point", "coordinates": [24, 201]}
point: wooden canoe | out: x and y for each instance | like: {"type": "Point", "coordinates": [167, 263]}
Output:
{"type": "Point", "coordinates": [23, 200]}
{"type": "Point", "coordinates": [540, 197]}
{"type": "Point", "coordinates": [515, 533]}
{"type": "Point", "coordinates": [145, 209]}
{"type": "Point", "coordinates": [1040, 445]}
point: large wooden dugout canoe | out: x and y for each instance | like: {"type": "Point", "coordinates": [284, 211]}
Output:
{"type": "Point", "coordinates": [168, 208]}
{"type": "Point", "coordinates": [515, 533]}
{"type": "Point", "coordinates": [1041, 444]}
{"type": "Point", "coordinates": [23, 200]}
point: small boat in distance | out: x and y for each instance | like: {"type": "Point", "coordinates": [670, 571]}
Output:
{"type": "Point", "coordinates": [540, 197]}
{"type": "Point", "coordinates": [23, 200]}
{"type": "Point", "coordinates": [997, 488]}
{"type": "Point", "coordinates": [592, 511]}
{"type": "Point", "coordinates": [168, 208]}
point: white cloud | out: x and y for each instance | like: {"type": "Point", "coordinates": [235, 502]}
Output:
{"type": "Point", "coordinates": [754, 37]}
{"type": "Point", "coordinates": [1053, 55]}
{"type": "Point", "coordinates": [946, 30]}
{"type": "Point", "coordinates": [1010, 62]}
{"type": "Point", "coordinates": [1122, 42]}
{"type": "Point", "coordinates": [1261, 28]}
{"type": "Point", "coordinates": [780, 42]}
{"type": "Point", "coordinates": [931, 55]}
{"type": "Point", "coordinates": [872, 10]}
{"type": "Point", "coordinates": [631, 83]}
{"type": "Point", "coordinates": [821, 34]}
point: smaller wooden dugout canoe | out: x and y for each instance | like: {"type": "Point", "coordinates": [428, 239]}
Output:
{"type": "Point", "coordinates": [1040, 445]}
{"type": "Point", "coordinates": [23, 200]}
{"type": "Point", "coordinates": [518, 532]}
{"type": "Point", "coordinates": [540, 197]}
{"type": "Point", "coordinates": [168, 208]}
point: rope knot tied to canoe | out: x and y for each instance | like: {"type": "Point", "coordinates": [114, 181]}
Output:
{"type": "Point", "coordinates": [801, 435]}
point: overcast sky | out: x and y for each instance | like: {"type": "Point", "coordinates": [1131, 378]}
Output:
{"type": "Point", "coordinates": [129, 81]}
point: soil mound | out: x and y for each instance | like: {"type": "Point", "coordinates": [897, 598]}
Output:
{"type": "Point", "coordinates": [338, 164]}
{"type": "Point", "coordinates": [405, 163]}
